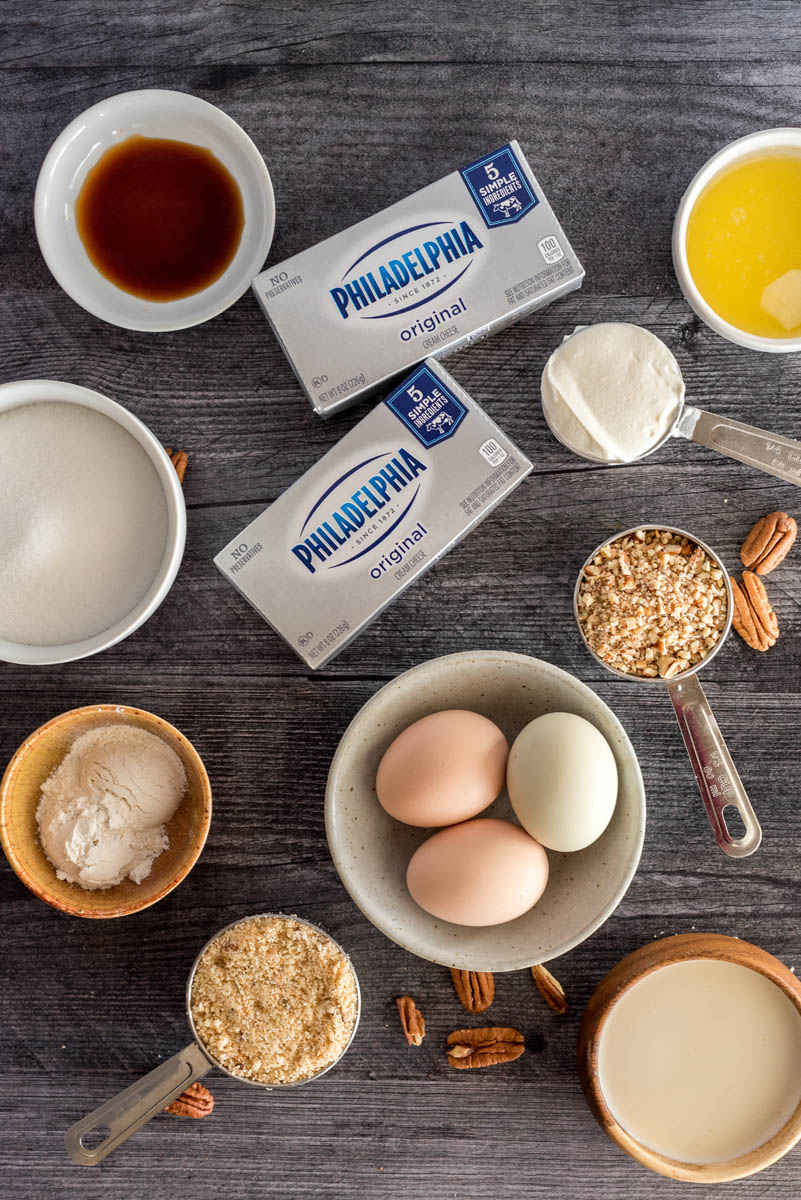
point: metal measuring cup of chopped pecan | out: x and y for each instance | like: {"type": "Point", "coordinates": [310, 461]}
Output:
{"type": "Point", "coordinates": [653, 605]}
{"type": "Point", "coordinates": [91, 1139]}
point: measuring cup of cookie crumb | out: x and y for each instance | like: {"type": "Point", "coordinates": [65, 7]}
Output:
{"type": "Point", "coordinates": [271, 1000]}
{"type": "Point", "coordinates": [654, 604]}
{"type": "Point", "coordinates": [613, 393]}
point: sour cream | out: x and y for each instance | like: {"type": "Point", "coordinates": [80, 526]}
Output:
{"type": "Point", "coordinates": [611, 392]}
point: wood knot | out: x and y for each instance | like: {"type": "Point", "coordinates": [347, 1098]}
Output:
{"type": "Point", "coordinates": [690, 331]}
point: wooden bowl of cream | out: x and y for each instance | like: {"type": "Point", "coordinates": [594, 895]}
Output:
{"type": "Point", "coordinates": [20, 792]}
{"type": "Point", "coordinates": [690, 1057]}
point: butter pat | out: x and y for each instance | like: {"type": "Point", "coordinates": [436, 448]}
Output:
{"type": "Point", "coordinates": [781, 299]}
{"type": "Point", "coordinates": [611, 392]}
{"type": "Point", "coordinates": [455, 261]}
{"type": "Point", "coordinates": [395, 494]}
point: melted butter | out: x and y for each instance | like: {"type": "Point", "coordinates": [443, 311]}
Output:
{"type": "Point", "coordinates": [744, 244]}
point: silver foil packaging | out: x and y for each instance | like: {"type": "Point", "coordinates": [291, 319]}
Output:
{"type": "Point", "coordinates": [451, 263]}
{"type": "Point", "coordinates": [395, 494]}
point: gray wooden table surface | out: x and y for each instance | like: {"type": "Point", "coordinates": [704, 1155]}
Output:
{"type": "Point", "coordinates": [353, 105]}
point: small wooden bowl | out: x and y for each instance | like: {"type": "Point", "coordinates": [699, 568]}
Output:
{"type": "Point", "coordinates": [629, 971]}
{"type": "Point", "coordinates": [36, 758]}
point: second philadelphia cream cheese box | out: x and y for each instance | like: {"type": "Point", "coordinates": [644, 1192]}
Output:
{"type": "Point", "coordinates": [402, 487]}
{"type": "Point", "coordinates": [455, 261]}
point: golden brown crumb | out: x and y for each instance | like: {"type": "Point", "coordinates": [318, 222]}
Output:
{"type": "Point", "coordinates": [274, 1000]}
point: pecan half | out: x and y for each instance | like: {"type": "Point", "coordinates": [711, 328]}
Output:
{"type": "Point", "coordinates": [550, 989]}
{"type": "Point", "coordinates": [180, 460]}
{"type": "Point", "coordinates": [484, 1047]}
{"type": "Point", "coordinates": [475, 989]}
{"type": "Point", "coordinates": [768, 542]}
{"type": "Point", "coordinates": [196, 1101]}
{"type": "Point", "coordinates": [760, 605]}
{"type": "Point", "coordinates": [753, 618]}
{"type": "Point", "coordinates": [412, 1020]}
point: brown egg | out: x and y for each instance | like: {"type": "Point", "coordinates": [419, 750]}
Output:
{"type": "Point", "coordinates": [444, 768]}
{"type": "Point", "coordinates": [481, 872]}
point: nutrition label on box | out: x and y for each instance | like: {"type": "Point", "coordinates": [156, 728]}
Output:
{"type": "Point", "coordinates": [535, 284]}
{"type": "Point", "coordinates": [490, 487]}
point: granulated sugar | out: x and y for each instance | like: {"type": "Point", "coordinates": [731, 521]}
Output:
{"type": "Point", "coordinates": [84, 523]}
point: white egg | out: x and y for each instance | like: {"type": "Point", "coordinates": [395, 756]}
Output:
{"type": "Point", "coordinates": [562, 781]}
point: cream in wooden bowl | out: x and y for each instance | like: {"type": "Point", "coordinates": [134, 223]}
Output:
{"type": "Point", "coordinates": [690, 1057]}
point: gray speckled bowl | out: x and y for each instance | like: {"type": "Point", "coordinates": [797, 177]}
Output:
{"type": "Point", "coordinates": [371, 850]}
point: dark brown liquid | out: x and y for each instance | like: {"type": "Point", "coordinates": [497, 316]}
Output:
{"type": "Point", "coordinates": [160, 219]}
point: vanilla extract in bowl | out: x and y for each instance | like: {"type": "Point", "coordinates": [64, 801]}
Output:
{"type": "Point", "coordinates": [160, 219]}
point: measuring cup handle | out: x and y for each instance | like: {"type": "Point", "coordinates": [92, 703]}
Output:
{"type": "Point", "coordinates": [715, 772]}
{"type": "Point", "coordinates": [779, 456]}
{"type": "Point", "coordinates": [130, 1109]}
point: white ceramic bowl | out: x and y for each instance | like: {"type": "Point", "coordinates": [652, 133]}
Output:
{"type": "Point", "coordinates": [744, 147]}
{"type": "Point", "coordinates": [371, 850]}
{"type": "Point", "coordinates": [151, 113]}
{"type": "Point", "coordinates": [29, 391]}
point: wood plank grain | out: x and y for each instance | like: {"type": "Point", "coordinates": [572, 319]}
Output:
{"type": "Point", "coordinates": [354, 105]}
{"type": "Point", "coordinates": [250, 31]}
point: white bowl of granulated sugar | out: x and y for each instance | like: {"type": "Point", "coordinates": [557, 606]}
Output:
{"type": "Point", "coordinates": [94, 522]}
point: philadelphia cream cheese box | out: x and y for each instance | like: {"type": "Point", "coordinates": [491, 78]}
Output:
{"type": "Point", "coordinates": [451, 263]}
{"type": "Point", "coordinates": [406, 484]}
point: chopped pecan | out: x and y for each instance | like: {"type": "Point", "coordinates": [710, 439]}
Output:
{"type": "Point", "coordinates": [550, 989]}
{"type": "Point", "coordinates": [475, 989]}
{"type": "Point", "coordinates": [412, 1020]}
{"type": "Point", "coordinates": [661, 619]}
{"type": "Point", "coordinates": [180, 460]}
{"type": "Point", "coordinates": [753, 617]}
{"type": "Point", "coordinates": [196, 1101]}
{"type": "Point", "coordinates": [484, 1047]}
{"type": "Point", "coordinates": [768, 542]}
